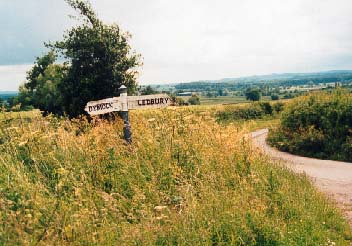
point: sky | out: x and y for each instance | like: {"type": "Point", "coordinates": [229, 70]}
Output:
{"type": "Point", "coordinates": [189, 40]}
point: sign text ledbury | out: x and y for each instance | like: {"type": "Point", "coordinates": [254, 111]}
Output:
{"type": "Point", "coordinates": [149, 101]}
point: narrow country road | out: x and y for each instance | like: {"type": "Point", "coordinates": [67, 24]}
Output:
{"type": "Point", "coordinates": [331, 177]}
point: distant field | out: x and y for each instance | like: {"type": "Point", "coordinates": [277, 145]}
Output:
{"type": "Point", "coordinates": [223, 100]}
{"type": "Point", "coordinates": [19, 115]}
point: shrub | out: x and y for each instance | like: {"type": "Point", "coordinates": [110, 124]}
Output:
{"type": "Point", "coordinates": [318, 125]}
{"type": "Point", "coordinates": [257, 110]}
{"type": "Point", "coordinates": [278, 107]}
{"type": "Point", "coordinates": [266, 107]}
{"type": "Point", "coordinates": [274, 97]}
{"type": "Point", "coordinates": [240, 113]}
{"type": "Point", "coordinates": [253, 94]}
{"type": "Point", "coordinates": [194, 100]}
{"type": "Point", "coordinates": [180, 101]}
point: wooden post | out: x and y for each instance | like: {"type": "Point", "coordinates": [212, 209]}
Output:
{"type": "Point", "coordinates": [124, 114]}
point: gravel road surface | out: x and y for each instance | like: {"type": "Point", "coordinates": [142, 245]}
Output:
{"type": "Point", "coordinates": [332, 177]}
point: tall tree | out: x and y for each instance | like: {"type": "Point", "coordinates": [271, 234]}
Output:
{"type": "Point", "coordinates": [38, 70]}
{"type": "Point", "coordinates": [99, 60]}
{"type": "Point", "coordinates": [41, 88]}
{"type": "Point", "coordinates": [148, 90]}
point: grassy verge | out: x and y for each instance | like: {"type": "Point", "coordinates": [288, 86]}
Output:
{"type": "Point", "coordinates": [185, 180]}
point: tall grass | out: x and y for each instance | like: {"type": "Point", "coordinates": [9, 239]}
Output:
{"type": "Point", "coordinates": [185, 180]}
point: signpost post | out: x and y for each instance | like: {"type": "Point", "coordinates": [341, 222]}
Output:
{"type": "Point", "coordinates": [124, 114]}
{"type": "Point", "coordinates": [123, 103]}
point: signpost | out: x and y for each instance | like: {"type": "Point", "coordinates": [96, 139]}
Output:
{"type": "Point", "coordinates": [104, 106]}
{"type": "Point", "coordinates": [123, 103]}
{"type": "Point", "coordinates": [149, 101]}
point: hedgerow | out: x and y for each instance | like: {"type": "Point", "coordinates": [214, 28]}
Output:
{"type": "Point", "coordinates": [257, 110]}
{"type": "Point", "coordinates": [317, 125]}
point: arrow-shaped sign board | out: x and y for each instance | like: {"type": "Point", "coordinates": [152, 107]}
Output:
{"type": "Point", "coordinates": [103, 106]}
{"type": "Point", "coordinates": [149, 101]}
{"type": "Point", "coordinates": [134, 102]}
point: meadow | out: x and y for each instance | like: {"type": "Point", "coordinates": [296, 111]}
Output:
{"type": "Point", "coordinates": [185, 180]}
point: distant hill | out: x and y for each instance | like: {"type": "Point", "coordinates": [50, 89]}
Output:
{"type": "Point", "coordinates": [284, 79]}
{"type": "Point", "coordinates": [280, 76]}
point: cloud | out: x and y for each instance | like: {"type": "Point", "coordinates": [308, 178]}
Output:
{"type": "Point", "coordinates": [200, 39]}
{"type": "Point", "coordinates": [12, 76]}
{"type": "Point", "coordinates": [26, 25]}
{"type": "Point", "coordinates": [204, 39]}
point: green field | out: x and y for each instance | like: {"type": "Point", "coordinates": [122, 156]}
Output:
{"type": "Point", "coordinates": [223, 100]}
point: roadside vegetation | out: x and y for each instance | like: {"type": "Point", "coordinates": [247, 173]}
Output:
{"type": "Point", "coordinates": [253, 111]}
{"type": "Point", "coordinates": [185, 180]}
{"type": "Point", "coordinates": [317, 125]}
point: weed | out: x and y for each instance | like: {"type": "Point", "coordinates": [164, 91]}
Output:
{"type": "Point", "coordinates": [77, 183]}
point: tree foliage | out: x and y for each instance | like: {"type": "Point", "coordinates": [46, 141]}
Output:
{"type": "Point", "coordinates": [256, 110]}
{"type": "Point", "coordinates": [275, 97]}
{"type": "Point", "coordinates": [98, 60]}
{"type": "Point", "coordinates": [317, 125]}
{"type": "Point", "coordinates": [40, 65]}
{"type": "Point", "coordinates": [253, 94]}
{"type": "Point", "coordinates": [147, 90]}
{"type": "Point", "coordinates": [194, 100]}
{"type": "Point", "coordinates": [42, 87]}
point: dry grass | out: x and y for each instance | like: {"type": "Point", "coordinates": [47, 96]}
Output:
{"type": "Point", "coordinates": [185, 180]}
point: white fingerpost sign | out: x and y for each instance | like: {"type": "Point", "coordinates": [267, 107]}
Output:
{"type": "Point", "coordinates": [123, 103]}
{"type": "Point", "coordinates": [149, 101]}
{"type": "Point", "coordinates": [104, 106]}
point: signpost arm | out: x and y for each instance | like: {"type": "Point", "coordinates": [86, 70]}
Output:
{"type": "Point", "coordinates": [124, 114]}
{"type": "Point", "coordinates": [124, 103]}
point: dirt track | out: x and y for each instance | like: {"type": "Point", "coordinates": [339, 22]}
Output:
{"type": "Point", "coordinates": [331, 177]}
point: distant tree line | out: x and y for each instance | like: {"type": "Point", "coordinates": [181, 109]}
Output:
{"type": "Point", "coordinates": [238, 85]}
